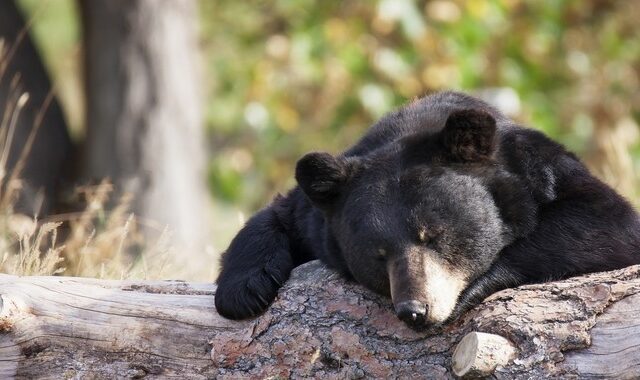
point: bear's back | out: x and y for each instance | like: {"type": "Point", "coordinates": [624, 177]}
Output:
{"type": "Point", "coordinates": [423, 115]}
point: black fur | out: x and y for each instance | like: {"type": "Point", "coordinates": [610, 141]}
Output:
{"type": "Point", "coordinates": [469, 134]}
{"type": "Point", "coordinates": [321, 176]}
{"type": "Point", "coordinates": [503, 203]}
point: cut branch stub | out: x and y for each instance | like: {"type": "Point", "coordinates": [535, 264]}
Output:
{"type": "Point", "coordinates": [478, 354]}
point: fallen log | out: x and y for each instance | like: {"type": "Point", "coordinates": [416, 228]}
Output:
{"type": "Point", "coordinates": [320, 326]}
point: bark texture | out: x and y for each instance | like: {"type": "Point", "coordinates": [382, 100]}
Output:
{"type": "Point", "coordinates": [144, 127]}
{"type": "Point", "coordinates": [320, 326]}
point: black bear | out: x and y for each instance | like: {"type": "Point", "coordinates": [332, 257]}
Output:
{"type": "Point", "coordinates": [442, 203]}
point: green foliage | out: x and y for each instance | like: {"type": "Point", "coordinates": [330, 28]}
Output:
{"type": "Point", "coordinates": [292, 76]}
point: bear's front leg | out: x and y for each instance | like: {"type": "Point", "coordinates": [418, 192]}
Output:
{"type": "Point", "coordinates": [501, 275]}
{"type": "Point", "coordinates": [254, 267]}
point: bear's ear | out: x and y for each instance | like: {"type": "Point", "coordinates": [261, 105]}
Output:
{"type": "Point", "coordinates": [321, 176]}
{"type": "Point", "coordinates": [469, 135]}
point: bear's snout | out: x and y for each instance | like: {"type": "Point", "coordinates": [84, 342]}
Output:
{"type": "Point", "coordinates": [423, 285]}
{"type": "Point", "coordinates": [413, 313]}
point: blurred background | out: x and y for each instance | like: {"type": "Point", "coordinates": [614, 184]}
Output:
{"type": "Point", "coordinates": [161, 125]}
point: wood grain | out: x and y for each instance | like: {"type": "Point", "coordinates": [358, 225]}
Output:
{"type": "Point", "coordinates": [615, 343]}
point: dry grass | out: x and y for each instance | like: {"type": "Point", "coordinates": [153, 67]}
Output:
{"type": "Point", "coordinates": [108, 243]}
{"type": "Point", "coordinates": [95, 242]}
{"type": "Point", "coordinates": [30, 257]}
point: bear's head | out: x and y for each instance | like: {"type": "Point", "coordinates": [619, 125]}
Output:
{"type": "Point", "coordinates": [423, 218]}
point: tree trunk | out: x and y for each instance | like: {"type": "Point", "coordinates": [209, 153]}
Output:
{"type": "Point", "coordinates": [320, 326]}
{"type": "Point", "coordinates": [36, 145]}
{"type": "Point", "coordinates": [143, 110]}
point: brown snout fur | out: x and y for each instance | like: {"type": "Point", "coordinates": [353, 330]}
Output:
{"type": "Point", "coordinates": [419, 275]}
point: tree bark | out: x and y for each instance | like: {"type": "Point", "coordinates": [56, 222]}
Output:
{"type": "Point", "coordinates": [37, 151]}
{"type": "Point", "coordinates": [144, 126]}
{"type": "Point", "coordinates": [320, 326]}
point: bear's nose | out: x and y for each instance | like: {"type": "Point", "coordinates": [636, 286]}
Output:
{"type": "Point", "coordinates": [412, 312]}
